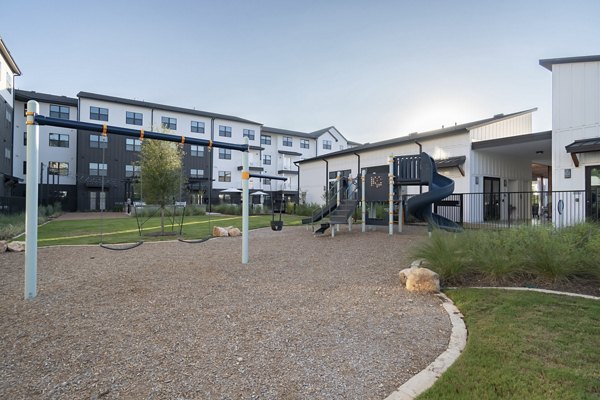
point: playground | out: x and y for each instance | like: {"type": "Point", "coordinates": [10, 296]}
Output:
{"type": "Point", "coordinates": [304, 319]}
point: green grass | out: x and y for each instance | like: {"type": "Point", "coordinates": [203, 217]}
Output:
{"type": "Point", "coordinates": [124, 230]}
{"type": "Point", "coordinates": [524, 345]}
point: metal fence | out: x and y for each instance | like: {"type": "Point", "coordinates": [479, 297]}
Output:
{"type": "Point", "coordinates": [12, 205]}
{"type": "Point", "coordinates": [508, 209]}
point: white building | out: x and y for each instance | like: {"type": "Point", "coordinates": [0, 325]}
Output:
{"type": "Point", "coordinates": [575, 135]}
{"type": "Point", "coordinates": [8, 71]}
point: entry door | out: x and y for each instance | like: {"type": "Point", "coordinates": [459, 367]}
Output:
{"type": "Point", "coordinates": [592, 188]}
{"type": "Point", "coordinates": [491, 199]}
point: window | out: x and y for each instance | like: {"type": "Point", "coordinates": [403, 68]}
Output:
{"type": "Point", "coordinates": [197, 151]}
{"type": "Point", "coordinates": [59, 140]}
{"type": "Point", "coordinates": [169, 123]}
{"type": "Point", "coordinates": [58, 168]}
{"type": "Point", "coordinates": [197, 127]}
{"type": "Point", "coordinates": [265, 139]}
{"type": "Point", "coordinates": [304, 144]}
{"type": "Point", "coordinates": [133, 144]}
{"type": "Point", "coordinates": [98, 113]}
{"type": "Point", "coordinates": [196, 173]}
{"type": "Point", "coordinates": [327, 144]}
{"type": "Point", "coordinates": [61, 112]}
{"type": "Point", "coordinates": [98, 169]}
{"type": "Point", "coordinates": [225, 154]}
{"type": "Point", "coordinates": [287, 141]}
{"type": "Point", "coordinates": [24, 138]}
{"type": "Point", "coordinates": [266, 181]}
{"type": "Point", "coordinates": [224, 176]}
{"type": "Point", "coordinates": [224, 131]}
{"type": "Point", "coordinates": [98, 142]}
{"type": "Point", "coordinates": [133, 118]}
{"type": "Point", "coordinates": [132, 171]}
{"type": "Point", "coordinates": [266, 159]}
{"type": "Point", "coordinates": [249, 133]}
{"type": "Point", "coordinates": [24, 167]}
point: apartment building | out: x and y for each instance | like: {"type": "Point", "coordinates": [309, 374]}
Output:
{"type": "Point", "coordinates": [8, 71]}
{"type": "Point", "coordinates": [57, 149]}
{"type": "Point", "coordinates": [87, 171]}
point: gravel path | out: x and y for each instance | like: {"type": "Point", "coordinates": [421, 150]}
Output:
{"type": "Point", "coordinates": [308, 318]}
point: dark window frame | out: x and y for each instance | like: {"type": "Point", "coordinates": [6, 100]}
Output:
{"type": "Point", "coordinates": [97, 113]}
{"type": "Point", "coordinates": [224, 131]}
{"type": "Point", "coordinates": [197, 126]}
{"type": "Point", "coordinates": [98, 142]}
{"type": "Point", "coordinates": [224, 154]}
{"type": "Point", "coordinates": [224, 176]}
{"type": "Point", "coordinates": [58, 142]}
{"type": "Point", "coordinates": [54, 168]}
{"type": "Point", "coordinates": [168, 123]}
{"type": "Point", "coordinates": [132, 144]}
{"type": "Point", "coordinates": [61, 112]}
{"type": "Point", "coordinates": [288, 141]}
{"type": "Point", "coordinates": [304, 144]}
{"type": "Point", "coordinates": [250, 134]}
{"type": "Point", "coordinates": [267, 159]}
{"type": "Point", "coordinates": [134, 118]}
{"type": "Point", "coordinates": [265, 139]}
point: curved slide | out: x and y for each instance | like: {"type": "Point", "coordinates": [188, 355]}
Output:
{"type": "Point", "coordinates": [440, 187]}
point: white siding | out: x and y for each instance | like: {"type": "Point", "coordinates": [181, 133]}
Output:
{"type": "Point", "coordinates": [46, 153]}
{"type": "Point", "coordinates": [517, 125]}
{"type": "Point", "coordinates": [7, 80]}
{"type": "Point", "coordinates": [575, 116]}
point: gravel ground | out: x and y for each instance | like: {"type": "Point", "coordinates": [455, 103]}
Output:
{"type": "Point", "coordinates": [308, 318]}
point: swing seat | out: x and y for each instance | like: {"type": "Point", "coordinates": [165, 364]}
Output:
{"type": "Point", "coordinates": [276, 225]}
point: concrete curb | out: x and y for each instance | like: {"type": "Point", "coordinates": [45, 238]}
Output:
{"type": "Point", "coordinates": [585, 296]}
{"type": "Point", "coordinates": [426, 378]}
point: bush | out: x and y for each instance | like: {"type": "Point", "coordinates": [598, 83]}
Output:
{"type": "Point", "coordinates": [11, 225]}
{"type": "Point", "coordinates": [229, 209]}
{"type": "Point", "coordinates": [445, 253]}
{"type": "Point", "coordinates": [307, 209]}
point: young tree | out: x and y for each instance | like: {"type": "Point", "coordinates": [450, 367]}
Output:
{"type": "Point", "coordinates": [160, 171]}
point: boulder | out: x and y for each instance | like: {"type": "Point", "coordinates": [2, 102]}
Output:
{"type": "Point", "coordinates": [219, 232]}
{"type": "Point", "coordinates": [418, 263]}
{"type": "Point", "coordinates": [234, 232]}
{"type": "Point", "coordinates": [404, 275]}
{"type": "Point", "coordinates": [423, 280]}
{"type": "Point", "coordinates": [16, 246]}
{"type": "Point", "coordinates": [3, 246]}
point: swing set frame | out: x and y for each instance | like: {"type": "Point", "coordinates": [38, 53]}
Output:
{"type": "Point", "coordinates": [34, 120]}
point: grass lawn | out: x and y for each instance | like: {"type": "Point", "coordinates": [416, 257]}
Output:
{"type": "Point", "coordinates": [524, 345]}
{"type": "Point", "coordinates": [125, 230]}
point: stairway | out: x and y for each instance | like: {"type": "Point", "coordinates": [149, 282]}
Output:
{"type": "Point", "coordinates": [341, 214]}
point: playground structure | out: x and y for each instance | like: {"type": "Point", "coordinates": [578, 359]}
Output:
{"type": "Point", "coordinates": [409, 170]}
{"type": "Point", "coordinates": [31, 211]}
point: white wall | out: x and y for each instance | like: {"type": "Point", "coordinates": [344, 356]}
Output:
{"type": "Point", "coordinates": [575, 116]}
{"type": "Point", "coordinates": [46, 153]}
{"type": "Point", "coordinates": [514, 126]}
{"type": "Point", "coordinates": [7, 80]}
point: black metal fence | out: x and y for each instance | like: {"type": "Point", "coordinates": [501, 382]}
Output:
{"type": "Point", "coordinates": [12, 205]}
{"type": "Point", "coordinates": [508, 209]}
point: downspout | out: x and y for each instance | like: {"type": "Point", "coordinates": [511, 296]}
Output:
{"type": "Point", "coordinates": [210, 168]}
{"type": "Point", "coordinates": [358, 155]}
{"type": "Point", "coordinates": [298, 187]}
{"type": "Point", "coordinates": [326, 180]}
{"type": "Point", "coordinates": [420, 151]}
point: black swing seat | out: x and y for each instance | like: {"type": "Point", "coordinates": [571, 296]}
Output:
{"type": "Point", "coordinates": [276, 225]}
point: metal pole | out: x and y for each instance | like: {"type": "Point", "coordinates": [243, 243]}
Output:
{"type": "Point", "coordinates": [245, 203]}
{"type": "Point", "coordinates": [31, 201]}
{"type": "Point", "coordinates": [363, 201]}
{"type": "Point", "coordinates": [391, 195]}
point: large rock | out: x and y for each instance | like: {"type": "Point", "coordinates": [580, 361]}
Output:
{"type": "Point", "coordinates": [423, 280]}
{"type": "Point", "coordinates": [404, 275]}
{"type": "Point", "coordinates": [219, 231]}
{"type": "Point", "coordinates": [232, 231]}
{"type": "Point", "coordinates": [16, 246]}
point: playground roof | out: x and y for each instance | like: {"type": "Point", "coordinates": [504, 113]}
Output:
{"type": "Point", "coordinates": [549, 62]}
{"type": "Point", "coordinates": [164, 107]}
{"type": "Point", "coordinates": [24, 95]}
{"type": "Point", "coordinates": [415, 137]}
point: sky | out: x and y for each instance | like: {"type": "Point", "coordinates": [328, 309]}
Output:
{"type": "Point", "coordinates": [373, 69]}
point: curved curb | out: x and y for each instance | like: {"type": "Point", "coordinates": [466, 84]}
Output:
{"type": "Point", "coordinates": [427, 377]}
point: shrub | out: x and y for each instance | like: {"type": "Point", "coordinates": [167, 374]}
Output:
{"type": "Point", "coordinates": [445, 254]}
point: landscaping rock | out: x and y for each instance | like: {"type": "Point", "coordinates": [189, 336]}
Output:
{"type": "Point", "coordinates": [219, 231]}
{"type": "Point", "coordinates": [418, 263]}
{"type": "Point", "coordinates": [234, 232]}
{"type": "Point", "coordinates": [423, 280]}
{"type": "Point", "coordinates": [404, 275]}
{"type": "Point", "coordinates": [3, 246]}
{"type": "Point", "coordinates": [16, 246]}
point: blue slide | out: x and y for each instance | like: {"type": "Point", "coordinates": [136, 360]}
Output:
{"type": "Point", "coordinates": [440, 187]}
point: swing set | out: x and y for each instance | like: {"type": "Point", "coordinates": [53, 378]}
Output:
{"type": "Point", "coordinates": [34, 120]}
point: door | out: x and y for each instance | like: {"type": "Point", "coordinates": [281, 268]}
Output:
{"type": "Point", "coordinates": [592, 189]}
{"type": "Point", "coordinates": [93, 201]}
{"type": "Point", "coordinates": [491, 199]}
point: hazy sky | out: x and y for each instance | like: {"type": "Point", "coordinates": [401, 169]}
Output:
{"type": "Point", "coordinates": [374, 69]}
